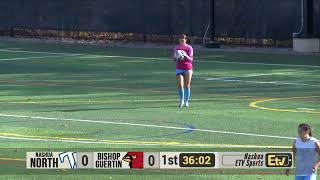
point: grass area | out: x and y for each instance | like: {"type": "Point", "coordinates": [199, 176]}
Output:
{"type": "Point", "coordinates": [128, 99]}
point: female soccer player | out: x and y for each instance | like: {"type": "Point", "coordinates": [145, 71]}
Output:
{"type": "Point", "coordinates": [184, 70]}
{"type": "Point", "coordinates": [306, 150]}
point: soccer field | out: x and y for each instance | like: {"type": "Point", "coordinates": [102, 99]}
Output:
{"type": "Point", "coordinates": [78, 97]}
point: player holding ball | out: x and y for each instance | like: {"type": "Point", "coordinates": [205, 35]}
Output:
{"type": "Point", "coordinates": [183, 56]}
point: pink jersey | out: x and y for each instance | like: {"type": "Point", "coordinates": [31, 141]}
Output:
{"type": "Point", "coordinates": [185, 64]}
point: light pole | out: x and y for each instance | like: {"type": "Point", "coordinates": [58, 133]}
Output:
{"type": "Point", "coordinates": [212, 24]}
{"type": "Point", "coordinates": [308, 20]}
{"type": "Point", "coordinates": [307, 23]}
{"type": "Point", "coordinates": [305, 40]}
{"type": "Point", "coordinates": [212, 7]}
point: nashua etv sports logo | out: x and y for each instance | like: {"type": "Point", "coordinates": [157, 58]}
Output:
{"type": "Point", "coordinates": [256, 160]}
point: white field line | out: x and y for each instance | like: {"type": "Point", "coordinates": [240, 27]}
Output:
{"type": "Point", "coordinates": [35, 52]}
{"type": "Point", "coordinates": [306, 109]}
{"type": "Point", "coordinates": [35, 57]}
{"type": "Point", "coordinates": [245, 76]}
{"type": "Point", "coordinates": [229, 79]}
{"type": "Point", "coordinates": [148, 126]}
{"type": "Point", "coordinates": [129, 57]}
{"type": "Point", "coordinates": [306, 72]}
{"type": "Point", "coordinates": [266, 74]}
{"type": "Point", "coordinates": [88, 55]}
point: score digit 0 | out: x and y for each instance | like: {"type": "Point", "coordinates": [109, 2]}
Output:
{"type": "Point", "coordinates": [85, 160]}
{"type": "Point", "coordinates": [151, 160]}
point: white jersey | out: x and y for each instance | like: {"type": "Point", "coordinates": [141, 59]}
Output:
{"type": "Point", "coordinates": [306, 156]}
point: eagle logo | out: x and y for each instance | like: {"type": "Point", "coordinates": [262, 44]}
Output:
{"type": "Point", "coordinates": [135, 159]}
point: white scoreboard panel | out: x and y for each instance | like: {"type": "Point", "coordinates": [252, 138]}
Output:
{"type": "Point", "coordinates": [158, 160]}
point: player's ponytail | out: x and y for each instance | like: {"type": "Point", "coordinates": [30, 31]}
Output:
{"type": "Point", "coordinates": [306, 127]}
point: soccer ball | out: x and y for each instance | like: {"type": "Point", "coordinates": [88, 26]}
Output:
{"type": "Point", "coordinates": [179, 55]}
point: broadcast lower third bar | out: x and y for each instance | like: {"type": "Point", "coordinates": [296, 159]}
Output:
{"type": "Point", "coordinates": [158, 160]}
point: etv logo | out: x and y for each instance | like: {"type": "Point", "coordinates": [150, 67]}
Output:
{"type": "Point", "coordinates": [279, 160]}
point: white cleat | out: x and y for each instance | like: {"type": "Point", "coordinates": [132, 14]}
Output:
{"type": "Point", "coordinates": [187, 104]}
{"type": "Point", "coordinates": [181, 104]}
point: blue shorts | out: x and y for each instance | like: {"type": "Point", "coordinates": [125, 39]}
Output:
{"type": "Point", "coordinates": [310, 177]}
{"type": "Point", "coordinates": [181, 71]}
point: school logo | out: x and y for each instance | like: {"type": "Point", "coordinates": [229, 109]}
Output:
{"type": "Point", "coordinates": [135, 159]}
{"type": "Point", "coordinates": [51, 160]}
{"type": "Point", "coordinates": [68, 156]}
{"type": "Point", "coordinates": [279, 160]}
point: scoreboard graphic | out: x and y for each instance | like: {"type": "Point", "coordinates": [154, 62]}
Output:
{"type": "Point", "coordinates": [256, 160]}
{"type": "Point", "coordinates": [158, 160]}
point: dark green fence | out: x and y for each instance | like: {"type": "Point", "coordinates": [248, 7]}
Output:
{"type": "Point", "coordinates": [263, 19]}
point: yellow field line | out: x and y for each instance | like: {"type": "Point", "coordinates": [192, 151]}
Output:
{"type": "Point", "coordinates": [142, 142]}
{"type": "Point", "coordinates": [11, 159]}
{"type": "Point", "coordinates": [255, 105]}
{"type": "Point", "coordinates": [46, 137]}
{"type": "Point", "coordinates": [85, 139]}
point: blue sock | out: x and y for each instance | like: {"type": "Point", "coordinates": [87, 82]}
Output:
{"type": "Point", "coordinates": [187, 94]}
{"type": "Point", "coordinates": [181, 95]}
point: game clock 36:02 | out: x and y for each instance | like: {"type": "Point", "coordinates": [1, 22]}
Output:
{"type": "Point", "coordinates": [197, 160]}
